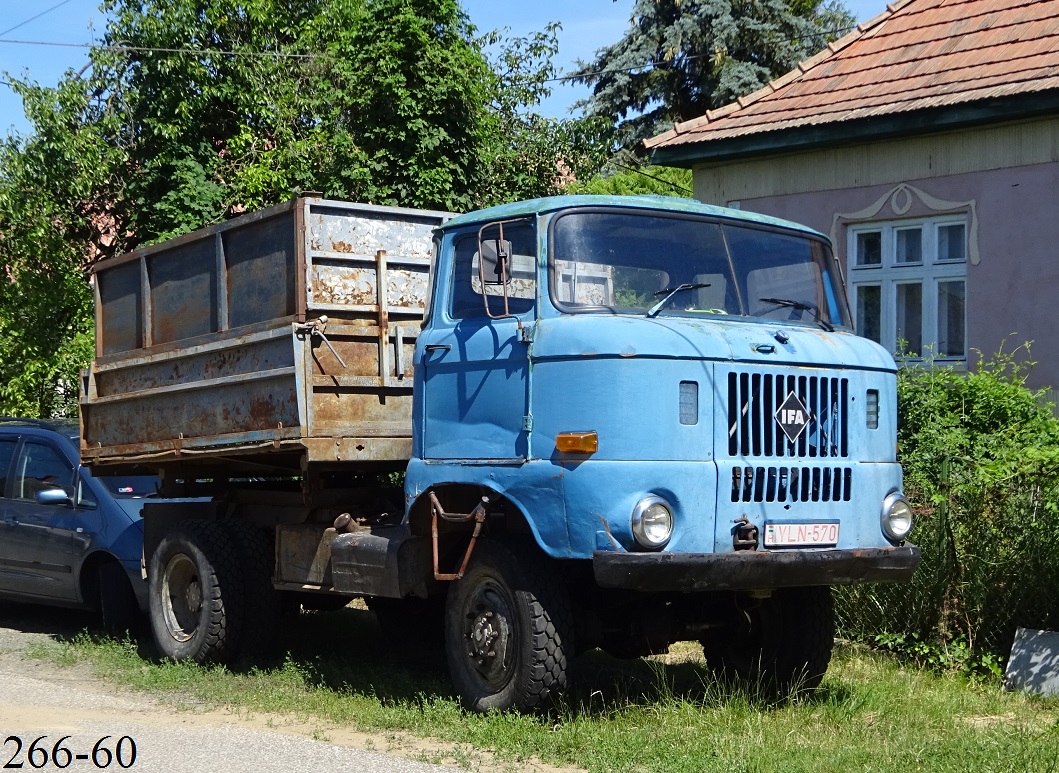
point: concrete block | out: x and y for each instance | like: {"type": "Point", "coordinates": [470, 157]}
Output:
{"type": "Point", "coordinates": [1034, 662]}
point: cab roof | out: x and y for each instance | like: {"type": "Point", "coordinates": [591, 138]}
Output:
{"type": "Point", "coordinates": [658, 203]}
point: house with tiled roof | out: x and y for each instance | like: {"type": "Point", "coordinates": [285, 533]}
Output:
{"type": "Point", "coordinates": [926, 144]}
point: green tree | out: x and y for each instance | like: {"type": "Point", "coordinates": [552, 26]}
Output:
{"type": "Point", "coordinates": [193, 111]}
{"type": "Point", "coordinates": [680, 58]}
{"type": "Point", "coordinates": [631, 181]}
{"type": "Point", "coordinates": [526, 154]}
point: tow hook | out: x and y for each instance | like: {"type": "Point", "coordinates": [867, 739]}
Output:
{"type": "Point", "coordinates": [744, 535]}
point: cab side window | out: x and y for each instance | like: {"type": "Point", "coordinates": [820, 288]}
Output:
{"type": "Point", "coordinates": [41, 467]}
{"type": "Point", "coordinates": [7, 453]}
{"type": "Point", "coordinates": [519, 245]}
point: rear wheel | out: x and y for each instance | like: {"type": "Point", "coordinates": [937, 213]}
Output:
{"type": "Point", "coordinates": [261, 603]}
{"type": "Point", "coordinates": [779, 645]}
{"type": "Point", "coordinates": [196, 594]}
{"type": "Point", "coordinates": [508, 631]}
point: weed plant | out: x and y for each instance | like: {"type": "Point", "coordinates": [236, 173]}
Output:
{"type": "Point", "coordinates": [981, 462]}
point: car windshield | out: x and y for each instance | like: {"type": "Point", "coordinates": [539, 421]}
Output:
{"type": "Point", "coordinates": [649, 263]}
{"type": "Point", "coordinates": [130, 486]}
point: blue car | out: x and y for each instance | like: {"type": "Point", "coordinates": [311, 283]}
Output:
{"type": "Point", "coordinates": [69, 538]}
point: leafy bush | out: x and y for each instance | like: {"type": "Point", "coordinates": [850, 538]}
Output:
{"type": "Point", "coordinates": [981, 461]}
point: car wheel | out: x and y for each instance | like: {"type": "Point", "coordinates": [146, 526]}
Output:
{"type": "Point", "coordinates": [117, 601]}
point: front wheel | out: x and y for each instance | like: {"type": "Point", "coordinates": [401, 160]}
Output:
{"type": "Point", "coordinates": [196, 594]}
{"type": "Point", "coordinates": [779, 645]}
{"type": "Point", "coordinates": [508, 631]}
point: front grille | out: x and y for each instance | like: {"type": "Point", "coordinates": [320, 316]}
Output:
{"type": "Point", "coordinates": [754, 398]}
{"type": "Point", "coordinates": [792, 484]}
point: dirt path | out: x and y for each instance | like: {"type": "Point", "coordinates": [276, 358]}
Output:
{"type": "Point", "coordinates": [38, 698]}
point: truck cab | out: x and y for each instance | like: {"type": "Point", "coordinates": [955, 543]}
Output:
{"type": "Point", "coordinates": [666, 404]}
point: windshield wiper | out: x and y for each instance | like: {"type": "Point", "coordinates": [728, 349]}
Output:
{"type": "Point", "coordinates": [653, 311]}
{"type": "Point", "coordinates": [802, 306]}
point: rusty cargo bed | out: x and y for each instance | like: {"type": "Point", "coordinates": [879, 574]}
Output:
{"type": "Point", "coordinates": [282, 338]}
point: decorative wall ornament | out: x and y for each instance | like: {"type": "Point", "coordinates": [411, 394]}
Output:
{"type": "Point", "coordinates": [901, 200]}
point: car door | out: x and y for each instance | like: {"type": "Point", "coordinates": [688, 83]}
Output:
{"type": "Point", "coordinates": [44, 540]}
{"type": "Point", "coordinates": [8, 569]}
{"type": "Point", "coordinates": [476, 367]}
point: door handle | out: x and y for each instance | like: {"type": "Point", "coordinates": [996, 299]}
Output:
{"type": "Point", "coordinates": [437, 348]}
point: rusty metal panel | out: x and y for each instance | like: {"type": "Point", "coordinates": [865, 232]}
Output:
{"type": "Point", "coordinates": [343, 283]}
{"type": "Point", "coordinates": [248, 355]}
{"type": "Point", "coordinates": [303, 553]}
{"type": "Point", "coordinates": [119, 316]}
{"type": "Point", "coordinates": [261, 271]}
{"type": "Point", "coordinates": [264, 401]}
{"type": "Point", "coordinates": [183, 292]}
{"type": "Point", "coordinates": [360, 229]}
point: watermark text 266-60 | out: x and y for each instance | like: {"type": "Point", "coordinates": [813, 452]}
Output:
{"type": "Point", "coordinates": [39, 753]}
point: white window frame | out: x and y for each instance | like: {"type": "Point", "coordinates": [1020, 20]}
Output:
{"type": "Point", "coordinates": [887, 275]}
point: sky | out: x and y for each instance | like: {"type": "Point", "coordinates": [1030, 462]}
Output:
{"type": "Point", "coordinates": [44, 38]}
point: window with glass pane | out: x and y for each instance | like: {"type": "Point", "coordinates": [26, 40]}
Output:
{"type": "Point", "coordinates": [952, 242]}
{"type": "Point", "coordinates": [909, 245]}
{"type": "Point", "coordinates": [869, 312]}
{"type": "Point", "coordinates": [910, 316]}
{"type": "Point", "coordinates": [908, 280]}
{"type": "Point", "coordinates": [952, 341]}
{"type": "Point", "coordinates": [869, 248]}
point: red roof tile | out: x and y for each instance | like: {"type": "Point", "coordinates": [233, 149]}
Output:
{"type": "Point", "coordinates": [917, 54]}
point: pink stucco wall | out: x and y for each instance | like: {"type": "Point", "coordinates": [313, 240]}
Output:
{"type": "Point", "coordinates": [1013, 292]}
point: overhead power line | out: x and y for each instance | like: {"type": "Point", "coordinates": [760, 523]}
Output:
{"type": "Point", "coordinates": [32, 18]}
{"type": "Point", "coordinates": [156, 50]}
{"type": "Point", "coordinates": [282, 55]}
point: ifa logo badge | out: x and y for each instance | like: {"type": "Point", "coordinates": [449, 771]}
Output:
{"type": "Point", "coordinates": [793, 417]}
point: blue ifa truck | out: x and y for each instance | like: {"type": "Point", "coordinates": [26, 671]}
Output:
{"type": "Point", "coordinates": [622, 422]}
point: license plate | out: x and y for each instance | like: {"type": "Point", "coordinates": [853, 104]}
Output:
{"type": "Point", "coordinates": [791, 535]}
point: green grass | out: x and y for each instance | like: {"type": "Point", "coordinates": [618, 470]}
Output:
{"type": "Point", "coordinates": [870, 714]}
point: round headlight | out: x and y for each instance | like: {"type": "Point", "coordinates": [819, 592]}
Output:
{"type": "Point", "coordinates": [896, 516]}
{"type": "Point", "coordinates": [652, 522]}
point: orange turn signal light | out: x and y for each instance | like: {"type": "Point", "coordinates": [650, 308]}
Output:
{"type": "Point", "coordinates": [577, 442]}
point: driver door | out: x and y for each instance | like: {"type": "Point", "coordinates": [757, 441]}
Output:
{"type": "Point", "coordinates": [44, 540]}
{"type": "Point", "coordinates": [476, 367]}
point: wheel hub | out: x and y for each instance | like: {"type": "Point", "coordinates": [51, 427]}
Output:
{"type": "Point", "coordinates": [483, 636]}
{"type": "Point", "coordinates": [181, 597]}
{"type": "Point", "coordinates": [194, 595]}
{"type": "Point", "coordinates": [489, 635]}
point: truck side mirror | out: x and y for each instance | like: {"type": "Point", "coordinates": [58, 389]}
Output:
{"type": "Point", "coordinates": [494, 261]}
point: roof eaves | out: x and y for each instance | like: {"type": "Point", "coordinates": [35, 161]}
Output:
{"type": "Point", "coordinates": [863, 130]}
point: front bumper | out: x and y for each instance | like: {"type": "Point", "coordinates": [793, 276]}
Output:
{"type": "Point", "coordinates": [752, 569]}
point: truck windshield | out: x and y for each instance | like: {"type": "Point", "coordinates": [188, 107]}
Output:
{"type": "Point", "coordinates": [658, 264]}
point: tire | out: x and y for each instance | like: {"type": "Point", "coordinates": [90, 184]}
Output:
{"type": "Point", "coordinates": [508, 630]}
{"type": "Point", "coordinates": [779, 646]}
{"type": "Point", "coordinates": [117, 601]}
{"type": "Point", "coordinates": [261, 603]}
{"type": "Point", "coordinates": [195, 591]}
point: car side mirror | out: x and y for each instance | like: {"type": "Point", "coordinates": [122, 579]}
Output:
{"type": "Point", "coordinates": [54, 497]}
